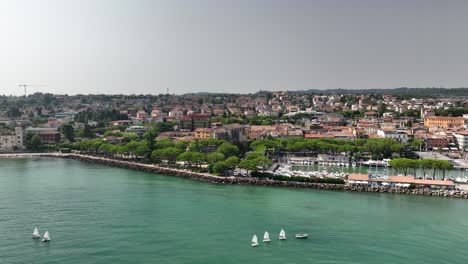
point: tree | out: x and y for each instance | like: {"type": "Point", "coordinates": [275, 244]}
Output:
{"type": "Point", "coordinates": [170, 154]}
{"type": "Point", "coordinates": [228, 150]}
{"type": "Point", "coordinates": [36, 142]}
{"type": "Point", "coordinates": [68, 132]}
{"type": "Point", "coordinates": [262, 162]}
{"type": "Point", "coordinates": [215, 157]}
{"type": "Point", "coordinates": [248, 165]}
{"type": "Point", "coordinates": [87, 133]}
{"type": "Point", "coordinates": [220, 167]}
{"type": "Point", "coordinates": [13, 112]}
{"type": "Point", "coordinates": [232, 162]}
{"type": "Point", "coordinates": [163, 143]}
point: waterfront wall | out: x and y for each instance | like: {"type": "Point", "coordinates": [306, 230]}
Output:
{"type": "Point", "coordinates": [205, 177]}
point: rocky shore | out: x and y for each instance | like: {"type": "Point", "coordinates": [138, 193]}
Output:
{"type": "Point", "coordinates": [205, 177]}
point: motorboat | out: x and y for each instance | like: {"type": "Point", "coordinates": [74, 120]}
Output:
{"type": "Point", "coordinates": [36, 234]}
{"type": "Point", "coordinates": [266, 237]}
{"type": "Point", "coordinates": [254, 241]}
{"type": "Point", "coordinates": [301, 235]}
{"type": "Point", "coordinates": [282, 235]}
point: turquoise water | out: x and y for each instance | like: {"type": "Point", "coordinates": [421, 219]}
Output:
{"type": "Point", "coordinates": [98, 214]}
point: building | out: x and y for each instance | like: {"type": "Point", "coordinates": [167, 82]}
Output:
{"type": "Point", "coordinates": [443, 121]}
{"type": "Point", "coordinates": [203, 133]}
{"type": "Point", "coordinates": [11, 140]}
{"type": "Point", "coordinates": [47, 135]}
{"type": "Point", "coordinates": [462, 140]}
{"type": "Point", "coordinates": [434, 141]}
{"type": "Point", "coordinates": [398, 181]}
{"type": "Point", "coordinates": [139, 130]}
{"type": "Point", "coordinates": [193, 121]}
{"type": "Point", "coordinates": [400, 136]}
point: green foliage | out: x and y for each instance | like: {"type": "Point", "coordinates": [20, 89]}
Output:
{"type": "Point", "coordinates": [220, 167]}
{"type": "Point", "coordinates": [163, 143]}
{"type": "Point", "coordinates": [170, 154]}
{"type": "Point", "coordinates": [452, 111]}
{"type": "Point", "coordinates": [36, 142]}
{"type": "Point", "coordinates": [232, 162]}
{"type": "Point", "coordinates": [215, 157]}
{"type": "Point", "coordinates": [68, 132]}
{"type": "Point", "coordinates": [13, 112]}
{"type": "Point", "coordinates": [405, 165]}
{"type": "Point", "coordinates": [190, 157]}
{"type": "Point", "coordinates": [228, 149]}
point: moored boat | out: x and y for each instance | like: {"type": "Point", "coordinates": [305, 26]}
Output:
{"type": "Point", "coordinates": [282, 235]}
{"type": "Point", "coordinates": [254, 241]}
{"type": "Point", "coordinates": [266, 237]}
{"type": "Point", "coordinates": [36, 234]}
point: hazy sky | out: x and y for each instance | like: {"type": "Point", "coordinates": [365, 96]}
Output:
{"type": "Point", "coordinates": [138, 46]}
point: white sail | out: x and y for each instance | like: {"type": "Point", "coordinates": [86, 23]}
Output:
{"type": "Point", "coordinates": [254, 239]}
{"type": "Point", "coordinates": [282, 234]}
{"type": "Point", "coordinates": [266, 236]}
{"type": "Point", "coordinates": [46, 235]}
{"type": "Point", "coordinates": [36, 232]}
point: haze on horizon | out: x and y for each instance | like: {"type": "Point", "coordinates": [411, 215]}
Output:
{"type": "Point", "coordinates": [146, 46]}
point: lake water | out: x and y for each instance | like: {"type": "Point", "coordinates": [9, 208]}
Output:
{"type": "Point", "coordinates": [98, 214]}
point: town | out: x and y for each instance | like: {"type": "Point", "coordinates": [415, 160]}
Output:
{"type": "Point", "coordinates": [253, 134]}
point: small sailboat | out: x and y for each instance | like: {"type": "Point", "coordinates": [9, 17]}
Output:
{"type": "Point", "coordinates": [266, 237]}
{"type": "Point", "coordinates": [36, 234]}
{"type": "Point", "coordinates": [254, 241]}
{"type": "Point", "coordinates": [282, 235]}
{"type": "Point", "coordinates": [46, 237]}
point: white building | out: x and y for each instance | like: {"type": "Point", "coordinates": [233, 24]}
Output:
{"type": "Point", "coordinates": [400, 136]}
{"type": "Point", "coordinates": [462, 140]}
{"type": "Point", "coordinates": [12, 140]}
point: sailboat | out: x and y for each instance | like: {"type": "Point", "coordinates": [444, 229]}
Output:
{"type": "Point", "coordinates": [266, 237]}
{"type": "Point", "coordinates": [46, 237]}
{"type": "Point", "coordinates": [36, 233]}
{"type": "Point", "coordinates": [254, 241]}
{"type": "Point", "coordinates": [282, 235]}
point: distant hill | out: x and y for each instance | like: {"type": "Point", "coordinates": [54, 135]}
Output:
{"type": "Point", "coordinates": [417, 92]}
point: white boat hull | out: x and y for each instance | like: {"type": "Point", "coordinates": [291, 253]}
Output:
{"type": "Point", "coordinates": [36, 236]}
{"type": "Point", "coordinates": [282, 238]}
{"type": "Point", "coordinates": [301, 236]}
{"type": "Point", "coordinates": [45, 240]}
{"type": "Point", "coordinates": [266, 240]}
{"type": "Point", "coordinates": [254, 244]}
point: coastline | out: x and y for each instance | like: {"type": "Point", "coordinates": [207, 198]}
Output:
{"type": "Point", "coordinates": [205, 177]}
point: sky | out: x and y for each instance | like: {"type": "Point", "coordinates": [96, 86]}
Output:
{"type": "Point", "coordinates": [238, 46]}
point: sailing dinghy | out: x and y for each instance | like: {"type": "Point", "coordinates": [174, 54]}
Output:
{"type": "Point", "coordinates": [46, 237]}
{"type": "Point", "coordinates": [266, 237]}
{"type": "Point", "coordinates": [282, 235]}
{"type": "Point", "coordinates": [254, 241]}
{"type": "Point", "coordinates": [36, 234]}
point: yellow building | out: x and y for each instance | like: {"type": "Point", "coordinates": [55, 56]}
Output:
{"type": "Point", "coordinates": [202, 133]}
{"type": "Point", "coordinates": [443, 121]}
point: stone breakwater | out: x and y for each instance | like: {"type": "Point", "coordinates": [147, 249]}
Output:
{"type": "Point", "coordinates": [205, 177]}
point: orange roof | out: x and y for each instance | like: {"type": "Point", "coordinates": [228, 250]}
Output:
{"type": "Point", "coordinates": [317, 136]}
{"type": "Point", "coordinates": [358, 177]}
{"type": "Point", "coordinates": [405, 179]}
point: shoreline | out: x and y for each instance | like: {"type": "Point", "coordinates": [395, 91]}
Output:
{"type": "Point", "coordinates": [205, 177]}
